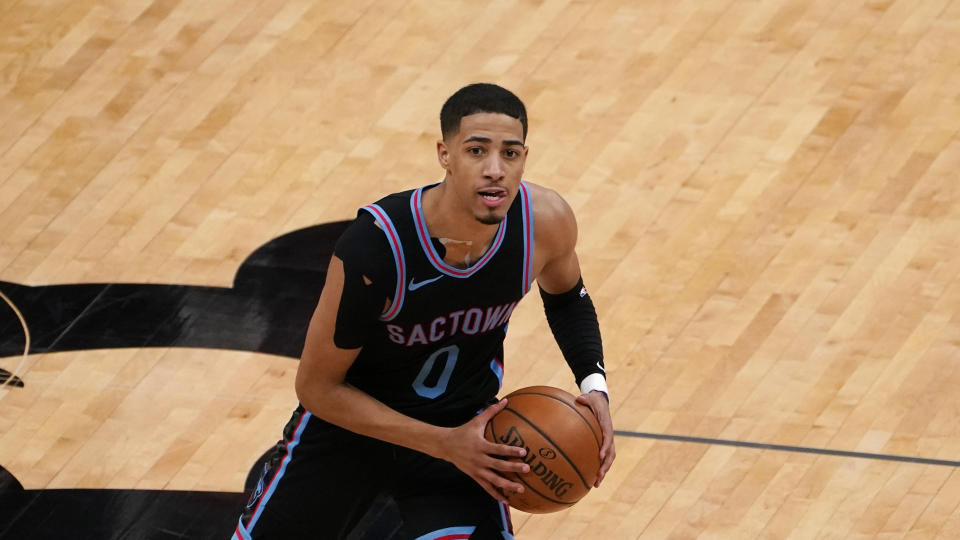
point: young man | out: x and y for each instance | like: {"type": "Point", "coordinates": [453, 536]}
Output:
{"type": "Point", "coordinates": [404, 354]}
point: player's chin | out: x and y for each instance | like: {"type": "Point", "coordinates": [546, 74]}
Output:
{"type": "Point", "coordinates": [489, 218]}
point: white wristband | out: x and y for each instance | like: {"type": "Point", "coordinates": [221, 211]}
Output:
{"type": "Point", "coordinates": [594, 381]}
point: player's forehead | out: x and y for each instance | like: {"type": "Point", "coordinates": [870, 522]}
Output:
{"type": "Point", "coordinates": [496, 128]}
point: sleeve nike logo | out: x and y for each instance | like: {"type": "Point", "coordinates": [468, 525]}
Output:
{"type": "Point", "coordinates": [414, 285]}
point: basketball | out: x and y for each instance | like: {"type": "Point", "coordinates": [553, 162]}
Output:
{"type": "Point", "coordinates": [562, 439]}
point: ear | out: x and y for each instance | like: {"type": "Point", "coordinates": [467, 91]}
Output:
{"type": "Point", "coordinates": [443, 155]}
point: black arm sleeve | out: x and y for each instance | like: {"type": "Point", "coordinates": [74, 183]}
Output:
{"type": "Point", "coordinates": [369, 280]}
{"type": "Point", "coordinates": [573, 321]}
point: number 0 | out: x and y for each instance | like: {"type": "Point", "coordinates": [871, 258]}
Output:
{"type": "Point", "coordinates": [449, 361]}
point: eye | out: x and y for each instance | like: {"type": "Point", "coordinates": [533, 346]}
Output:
{"type": "Point", "coordinates": [475, 150]}
{"type": "Point", "coordinates": [511, 153]}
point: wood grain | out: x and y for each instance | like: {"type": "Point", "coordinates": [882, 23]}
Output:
{"type": "Point", "coordinates": [769, 225]}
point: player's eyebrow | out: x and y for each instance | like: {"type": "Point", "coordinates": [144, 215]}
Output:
{"type": "Point", "coordinates": [488, 140]}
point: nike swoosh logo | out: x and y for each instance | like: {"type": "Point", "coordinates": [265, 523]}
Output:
{"type": "Point", "coordinates": [601, 367]}
{"type": "Point", "coordinates": [414, 285]}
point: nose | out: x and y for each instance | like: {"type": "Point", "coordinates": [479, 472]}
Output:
{"type": "Point", "coordinates": [493, 168]}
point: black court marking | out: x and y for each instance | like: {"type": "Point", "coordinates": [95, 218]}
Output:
{"type": "Point", "coordinates": [7, 376]}
{"type": "Point", "coordinates": [574, 409]}
{"type": "Point", "coordinates": [787, 448]}
{"type": "Point", "coordinates": [274, 294]}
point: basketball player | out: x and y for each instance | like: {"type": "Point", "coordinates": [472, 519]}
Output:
{"type": "Point", "coordinates": [404, 354]}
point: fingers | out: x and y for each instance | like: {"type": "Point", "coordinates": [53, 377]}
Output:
{"type": "Point", "coordinates": [504, 450]}
{"type": "Point", "coordinates": [499, 459]}
{"type": "Point", "coordinates": [490, 488]}
{"type": "Point", "coordinates": [607, 452]}
{"type": "Point", "coordinates": [600, 407]}
{"type": "Point", "coordinates": [498, 488]}
{"type": "Point", "coordinates": [490, 411]}
{"type": "Point", "coordinates": [597, 403]}
{"type": "Point", "coordinates": [506, 458]}
{"type": "Point", "coordinates": [493, 492]}
{"type": "Point", "coordinates": [610, 455]}
{"type": "Point", "coordinates": [503, 485]}
{"type": "Point", "coordinates": [606, 427]}
{"type": "Point", "coordinates": [493, 460]}
{"type": "Point", "coordinates": [512, 466]}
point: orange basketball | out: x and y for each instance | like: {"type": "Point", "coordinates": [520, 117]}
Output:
{"type": "Point", "coordinates": [562, 438]}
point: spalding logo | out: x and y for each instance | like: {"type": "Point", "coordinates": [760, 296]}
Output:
{"type": "Point", "coordinates": [513, 437]}
{"type": "Point", "coordinates": [553, 481]}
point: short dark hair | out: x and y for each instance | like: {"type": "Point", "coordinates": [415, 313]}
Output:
{"type": "Point", "coordinates": [480, 98]}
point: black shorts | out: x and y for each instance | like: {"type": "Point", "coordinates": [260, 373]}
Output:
{"type": "Point", "coordinates": [321, 485]}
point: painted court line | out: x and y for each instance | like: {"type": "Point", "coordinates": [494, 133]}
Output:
{"type": "Point", "coordinates": [785, 448]}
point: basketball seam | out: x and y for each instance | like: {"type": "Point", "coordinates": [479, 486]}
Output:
{"type": "Point", "coordinates": [572, 463]}
{"type": "Point", "coordinates": [574, 409]}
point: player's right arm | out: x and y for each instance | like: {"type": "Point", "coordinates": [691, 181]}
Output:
{"type": "Point", "coordinates": [323, 390]}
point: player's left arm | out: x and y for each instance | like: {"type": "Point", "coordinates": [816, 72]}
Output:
{"type": "Point", "coordinates": [569, 309]}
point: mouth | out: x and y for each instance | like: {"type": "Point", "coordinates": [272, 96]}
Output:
{"type": "Point", "coordinates": [492, 197]}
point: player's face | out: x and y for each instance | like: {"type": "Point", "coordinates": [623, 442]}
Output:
{"type": "Point", "coordinates": [484, 163]}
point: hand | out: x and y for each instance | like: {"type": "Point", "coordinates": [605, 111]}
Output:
{"type": "Point", "coordinates": [597, 401]}
{"type": "Point", "coordinates": [480, 459]}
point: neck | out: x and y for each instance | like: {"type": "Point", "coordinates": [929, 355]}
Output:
{"type": "Point", "coordinates": [447, 219]}
{"type": "Point", "coordinates": [464, 238]}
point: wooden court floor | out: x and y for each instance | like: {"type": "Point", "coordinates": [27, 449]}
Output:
{"type": "Point", "coordinates": [768, 194]}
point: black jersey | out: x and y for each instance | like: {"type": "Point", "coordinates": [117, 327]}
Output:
{"type": "Point", "coordinates": [436, 352]}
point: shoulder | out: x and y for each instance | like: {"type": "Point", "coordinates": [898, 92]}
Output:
{"type": "Point", "coordinates": [554, 221]}
{"type": "Point", "coordinates": [368, 226]}
{"type": "Point", "coordinates": [362, 229]}
{"type": "Point", "coordinates": [363, 244]}
{"type": "Point", "coordinates": [364, 250]}
{"type": "Point", "coordinates": [398, 201]}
